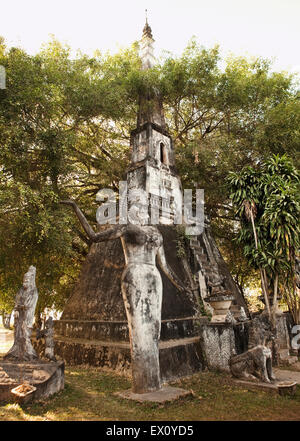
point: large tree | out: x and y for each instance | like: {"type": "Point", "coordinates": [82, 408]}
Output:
{"type": "Point", "coordinates": [65, 130]}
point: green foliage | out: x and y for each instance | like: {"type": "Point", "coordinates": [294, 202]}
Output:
{"type": "Point", "coordinates": [267, 201]}
{"type": "Point", "coordinates": [65, 131]}
{"type": "Point", "coordinates": [272, 188]}
{"type": "Point", "coordinates": [182, 241]}
{"type": "Point", "coordinates": [59, 137]}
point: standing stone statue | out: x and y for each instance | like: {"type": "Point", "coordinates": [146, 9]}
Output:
{"type": "Point", "coordinates": [141, 286]}
{"type": "Point", "coordinates": [25, 303]}
{"type": "Point", "coordinates": [49, 340]}
{"type": "Point", "coordinates": [48, 334]}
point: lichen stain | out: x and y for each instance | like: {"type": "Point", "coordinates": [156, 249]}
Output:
{"type": "Point", "coordinates": [146, 311]}
{"type": "Point", "coordinates": [137, 297]}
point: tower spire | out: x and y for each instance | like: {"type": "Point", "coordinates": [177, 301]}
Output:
{"type": "Point", "coordinates": [150, 104]}
{"type": "Point", "coordinates": [146, 15]}
{"type": "Point", "coordinates": [147, 50]}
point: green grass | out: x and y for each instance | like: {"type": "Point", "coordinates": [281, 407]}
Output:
{"type": "Point", "coordinates": [89, 395]}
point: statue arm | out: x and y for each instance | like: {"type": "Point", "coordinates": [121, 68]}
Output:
{"type": "Point", "coordinates": [111, 233]}
{"type": "Point", "coordinates": [168, 270]}
{"type": "Point", "coordinates": [19, 297]}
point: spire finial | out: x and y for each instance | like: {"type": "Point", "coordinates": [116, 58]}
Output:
{"type": "Point", "coordinates": [147, 53]}
{"type": "Point", "coordinates": [147, 30]}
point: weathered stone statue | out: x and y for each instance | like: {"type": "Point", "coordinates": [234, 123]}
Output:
{"type": "Point", "coordinates": [260, 332]}
{"type": "Point", "coordinates": [48, 334]}
{"type": "Point", "coordinates": [25, 303]}
{"type": "Point", "coordinates": [141, 287]}
{"type": "Point", "coordinates": [254, 364]}
{"type": "Point", "coordinates": [215, 283]}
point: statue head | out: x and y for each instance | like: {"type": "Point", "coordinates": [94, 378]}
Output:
{"type": "Point", "coordinates": [29, 278]}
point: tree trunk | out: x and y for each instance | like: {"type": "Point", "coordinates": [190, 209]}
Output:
{"type": "Point", "coordinates": [264, 282]}
{"type": "Point", "coordinates": [275, 301]}
{"type": "Point", "coordinates": [263, 274]}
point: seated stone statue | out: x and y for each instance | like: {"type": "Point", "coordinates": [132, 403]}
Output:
{"type": "Point", "coordinates": [254, 364]}
{"type": "Point", "coordinates": [25, 303]}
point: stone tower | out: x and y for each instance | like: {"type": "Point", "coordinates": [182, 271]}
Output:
{"type": "Point", "coordinates": [153, 163]}
{"type": "Point", "coordinates": [93, 327]}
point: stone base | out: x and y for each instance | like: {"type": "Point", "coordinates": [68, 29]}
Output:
{"type": "Point", "coordinates": [164, 395]}
{"type": "Point", "coordinates": [285, 387]}
{"type": "Point", "coordinates": [221, 318]}
{"type": "Point", "coordinates": [267, 387]}
{"type": "Point", "coordinates": [23, 393]}
{"type": "Point", "coordinates": [46, 377]}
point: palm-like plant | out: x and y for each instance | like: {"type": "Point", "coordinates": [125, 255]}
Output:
{"type": "Point", "coordinates": [267, 197]}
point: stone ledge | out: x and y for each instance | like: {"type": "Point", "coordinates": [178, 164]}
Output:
{"type": "Point", "coordinates": [267, 387]}
{"type": "Point", "coordinates": [117, 331]}
{"type": "Point", "coordinates": [84, 341]}
{"type": "Point", "coordinates": [162, 344]}
{"type": "Point", "coordinates": [275, 387]}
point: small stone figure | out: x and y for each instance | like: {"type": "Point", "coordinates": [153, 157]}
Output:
{"type": "Point", "coordinates": [47, 333]}
{"type": "Point", "coordinates": [25, 303]}
{"type": "Point", "coordinates": [254, 364]}
{"type": "Point", "coordinates": [215, 283]}
{"type": "Point", "coordinates": [242, 317]}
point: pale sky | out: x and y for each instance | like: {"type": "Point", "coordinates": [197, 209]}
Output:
{"type": "Point", "coordinates": [267, 28]}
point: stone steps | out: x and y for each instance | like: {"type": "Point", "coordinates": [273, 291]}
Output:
{"type": "Point", "coordinates": [117, 331]}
